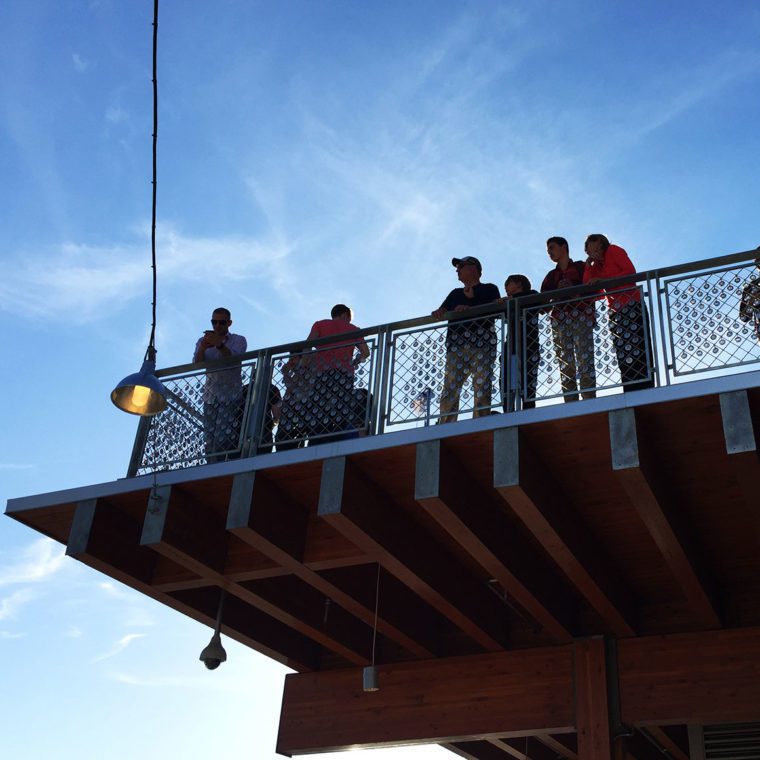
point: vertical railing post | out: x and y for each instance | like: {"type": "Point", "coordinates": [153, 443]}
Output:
{"type": "Point", "coordinates": [138, 448]}
{"type": "Point", "coordinates": [516, 327]}
{"type": "Point", "coordinates": [258, 401]}
{"type": "Point", "coordinates": [668, 350]}
{"type": "Point", "coordinates": [651, 333]}
{"type": "Point", "coordinates": [384, 340]}
{"type": "Point", "coordinates": [376, 388]}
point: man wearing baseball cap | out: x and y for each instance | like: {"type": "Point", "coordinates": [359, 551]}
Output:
{"type": "Point", "coordinates": [470, 344]}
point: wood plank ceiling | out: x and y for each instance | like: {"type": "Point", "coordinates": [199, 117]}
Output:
{"type": "Point", "coordinates": [640, 525]}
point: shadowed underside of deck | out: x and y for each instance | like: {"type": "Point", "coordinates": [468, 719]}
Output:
{"type": "Point", "coordinates": [542, 587]}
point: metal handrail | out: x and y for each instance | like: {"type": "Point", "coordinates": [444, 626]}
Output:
{"type": "Point", "coordinates": [665, 358]}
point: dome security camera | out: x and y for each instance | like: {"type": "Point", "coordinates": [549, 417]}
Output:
{"type": "Point", "coordinates": [213, 655]}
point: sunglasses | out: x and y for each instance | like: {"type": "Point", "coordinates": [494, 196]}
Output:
{"type": "Point", "coordinates": [218, 321]}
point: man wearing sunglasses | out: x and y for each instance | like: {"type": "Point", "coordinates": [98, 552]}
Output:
{"type": "Point", "coordinates": [223, 392]}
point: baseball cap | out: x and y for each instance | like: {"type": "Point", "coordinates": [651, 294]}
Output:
{"type": "Point", "coordinates": [467, 260]}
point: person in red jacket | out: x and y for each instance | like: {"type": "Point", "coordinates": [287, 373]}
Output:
{"type": "Point", "coordinates": [629, 324]}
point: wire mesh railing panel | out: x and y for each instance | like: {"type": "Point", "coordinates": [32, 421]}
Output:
{"type": "Point", "coordinates": [203, 421]}
{"type": "Point", "coordinates": [714, 319]}
{"type": "Point", "coordinates": [441, 371]}
{"type": "Point", "coordinates": [319, 396]}
{"type": "Point", "coordinates": [705, 318]}
{"type": "Point", "coordinates": [576, 347]}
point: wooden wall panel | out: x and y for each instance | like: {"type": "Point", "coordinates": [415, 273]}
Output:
{"type": "Point", "coordinates": [432, 701]}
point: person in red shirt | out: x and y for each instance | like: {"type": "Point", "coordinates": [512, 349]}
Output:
{"type": "Point", "coordinates": [334, 364]}
{"type": "Point", "coordinates": [629, 324]}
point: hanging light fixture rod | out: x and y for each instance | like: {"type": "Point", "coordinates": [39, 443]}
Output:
{"type": "Point", "coordinates": [370, 674]}
{"type": "Point", "coordinates": [142, 392]}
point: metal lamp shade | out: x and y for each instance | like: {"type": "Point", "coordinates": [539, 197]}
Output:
{"type": "Point", "coordinates": [370, 679]}
{"type": "Point", "coordinates": [141, 393]}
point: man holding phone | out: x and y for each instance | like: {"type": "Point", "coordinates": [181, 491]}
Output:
{"type": "Point", "coordinates": [223, 392]}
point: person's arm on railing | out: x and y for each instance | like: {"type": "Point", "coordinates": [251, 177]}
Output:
{"type": "Point", "coordinates": [363, 354]}
{"type": "Point", "coordinates": [750, 303]}
{"type": "Point", "coordinates": [614, 262]}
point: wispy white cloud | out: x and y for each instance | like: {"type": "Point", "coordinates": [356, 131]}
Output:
{"type": "Point", "coordinates": [15, 466]}
{"type": "Point", "coordinates": [10, 605]}
{"type": "Point", "coordinates": [229, 683]}
{"type": "Point", "coordinates": [76, 281]}
{"type": "Point", "coordinates": [81, 64]}
{"type": "Point", "coordinates": [118, 646]}
{"type": "Point", "coordinates": [678, 91]}
{"type": "Point", "coordinates": [73, 632]}
{"type": "Point", "coordinates": [8, 635]}
{"type": "Point", "coordinates": [132, 605]}
{"type": "Point", "coordinates": [116, 114]}
{"type": "Point", "coordinates": [37, 562]}
{"type": "Point", "coordinates": [114, 591]}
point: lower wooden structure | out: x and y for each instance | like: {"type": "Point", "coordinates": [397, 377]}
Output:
{"type": "Point", "coordinates": [555, 583]}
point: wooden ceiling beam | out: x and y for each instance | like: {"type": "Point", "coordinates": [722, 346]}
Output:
{"type": "Point", "coordinates": [509, 750]}
{"type": "Point", "coordinates": [742, 450]}
{"type": "Point", "coordinates": [525, 748]}
{"type": "Point", "coordinates": [524, 485]}
{"type": "Point", "coordinates": [476, 750]}
{"type": "Point", "coordinates": [466, 511]}
{"type": "Point", "coordinates": [359, 510]}
{"type": "Point", "coordinates": [268, 520]}
{"type": "Point", "coordinates": [436, 701]}
{"type": "Point", "coordinates": [202, 550]}
{"type": "Point", "coordinates": [591, 701]}
{"type": "Point", "coordinates": [635, 470]}
{"type": "Point", "coordinates": [558, 746]}
{"type": "Point", "coordinates": [253, 627]}
{"type": "Point", "coordinates": [703, 677]}
{"type": "Point", "coordinates": [402, 615]}
{"type": "Point", "coordinates": [318, 616]}
{"type": "Point", "coordinates": [663, 740]}
{"type": "Point", "coordinates": [108, 540]}
{"type": "Point", "coordinates": [327, 549]}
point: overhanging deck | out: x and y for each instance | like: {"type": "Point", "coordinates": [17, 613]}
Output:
{"type": "Point", "coordinates": [501, 545]}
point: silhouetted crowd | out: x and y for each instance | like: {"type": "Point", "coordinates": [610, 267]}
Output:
{"type": "Point", "coordinates": [320, 400]}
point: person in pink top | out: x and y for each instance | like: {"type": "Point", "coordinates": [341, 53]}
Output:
{"type": "Point", "coordinates": [334, 364]}
{"type": "Point", "coordinates": [629, 324]}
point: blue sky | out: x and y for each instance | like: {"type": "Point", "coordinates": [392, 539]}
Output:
{"type": "Point", "coordinates": [310, 153]}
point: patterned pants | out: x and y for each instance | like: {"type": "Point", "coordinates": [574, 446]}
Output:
{"type": "Point", "coordinates": [221, 422]}
{"type": "Point", "coordinates": [629, 327]}
{"type": "Point", "coordinates": [462, 362]}
{"type": "Point", "coordinates": [574, 346]}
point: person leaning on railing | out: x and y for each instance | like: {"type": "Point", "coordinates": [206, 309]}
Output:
{"type": "Point", "coordinates": [293, 428]}
{"type": "Point", "coordinates": [334, 366]}
{"type": "Point", "coordinates": [572, 323]}
{"type": "Point", "coordinates": [223, 389]}
{"type": "Point", "coordinates": [629, 323]}
{"type": "Point", "coordinates": [471, 345]}
{"type": "Point", "coordinates": [524, 366]}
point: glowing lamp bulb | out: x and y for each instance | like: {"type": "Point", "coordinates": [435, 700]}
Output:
{"type": "Point", "coordinates": [140, 396]}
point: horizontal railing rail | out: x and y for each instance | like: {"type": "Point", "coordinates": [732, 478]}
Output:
{"type": "Point", "coordinates": [632, 332]}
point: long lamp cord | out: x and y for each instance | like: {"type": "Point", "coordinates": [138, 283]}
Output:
{"type": "Point", "coordinates": [151, 353]}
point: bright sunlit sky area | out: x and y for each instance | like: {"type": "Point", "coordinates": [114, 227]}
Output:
{"type": "Point", "coordinates": [310, 152]}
